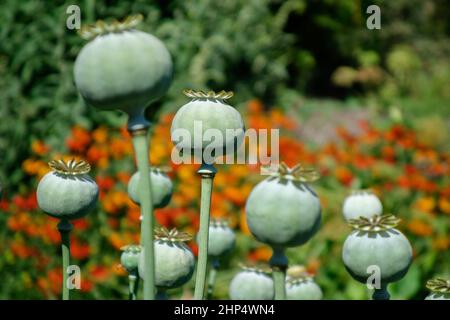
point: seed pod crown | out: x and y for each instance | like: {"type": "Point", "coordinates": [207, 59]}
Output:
{"type": "Point", "coordinates": [222, 95]}
{"type": "Point", "coordinates": [99, 28]}
{"type": "Point", "coordinates": [132, 248]}
{"type": "Point", "coordinates": [172, 235]}
{"type": "Point", "coordinates": [298, 173]}
{"type": "Point", "coordinates": [258, 268]}
{"type": "Point", "coordinates": [439, 285]}
{"type": "Point", "coordinates": [72, 167]}
{"type": "Point", "coordinates": [376, 223]}
{"type": "Point", "coordinates": [298, 274]}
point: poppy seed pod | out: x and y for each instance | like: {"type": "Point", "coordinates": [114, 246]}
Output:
{"type": "Point", "coordinates": [130, 257]}
{"type": "Point", "coordinates": [221, 238]}
{"type": "Point", "coordinates": [207, 123]}
{"type": "Point", "coordinates": [361, 203]}
{"type": "Point", "coordinates": [162, 187]}
{"type": "Point", "coordinates": [440, 289]}
{"type": "Point", "coordinates": [375, 243]}
{"type": "Point", "coordinates": [301, 286]}
{"type": "Point", "coordinates": [252, 284]}
{"type": "Point", "coordinates": [121, 67]}
{"type": "Point", "coordinates": [67, 192]}
{"type": "Point", "coordinates": [174, 260]}
{"type": "Point", "coordinates": [283, 211]}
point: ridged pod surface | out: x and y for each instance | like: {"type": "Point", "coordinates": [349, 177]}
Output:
{"type": "Point", "coordinates": [129, 258]}
{"type": "Point", "coordinates": [174, 260]}
{"type": "Point", "coordinates": [207, 111]}
{"type": "Point", "coordinates": [376, 244]}
{"type": "Point", "coordinates": [122, 69]}
{"type": "Point", "coordinates": [283, 211]}
{"type": "Point", "coordinates": [221, 239]}
{"type": "Point", "coordinates": [67, 192]}
{"type": "Point", "coordinates": [162, 188]}
{"type": "Point", "coordinates": [251, 284]}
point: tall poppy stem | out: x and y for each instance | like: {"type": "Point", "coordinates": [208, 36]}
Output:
{"type": "Point", "coordinates": [64, 228]}
{"type": "Point", "coordinates": [207, 173]}
{"type": "Point", "coordinates": [141, 148]}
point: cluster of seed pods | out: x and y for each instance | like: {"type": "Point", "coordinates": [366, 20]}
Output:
{"type": "Point", "coordinates": [121, 68]}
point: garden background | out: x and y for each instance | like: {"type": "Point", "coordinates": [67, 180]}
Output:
{"type": "Point", "coordinates": [367, 108]}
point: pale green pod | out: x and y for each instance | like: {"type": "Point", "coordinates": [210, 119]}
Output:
{"type": "Point", "coordinates": [361, 204]}
{"type": "Point", "coordinates": [122, 69]}
{"type": "Point", "coordinates": [67, 192]}
{"type": "Point", "coordinates": [389, 251]}
{"type": "Point", "coordinates": [130, 256]}
{"type": "Point", "coordinates": [251, 284]}
{"type": "Point", "coordinates": [305, 289]}
{"type": "Point", "coordinates": [162, 188]}
{"type": "Point", "coordinates": [221, 239]}
{"type": "Point", "coordinates": [174, 260]}
{"type": "Point", "coordinates": [283, 212]}
{"type": "Point", "coordinates": [207, 123]}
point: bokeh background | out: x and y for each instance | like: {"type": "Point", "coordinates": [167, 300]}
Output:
{"type": "Point", "coordinates": [367, 108]}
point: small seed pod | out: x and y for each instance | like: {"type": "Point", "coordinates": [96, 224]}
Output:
{"type": "Point", "coordinates": [174, 260]}
{"type": "Point", "coordinates": [221, 238]}
{"type": "Point", "coordinates": [130, 257]}
{"type": "Point", "coordinates": [361, 203]}
{"type": "Point", "coordinates": [252, 284]}
{"type": "Point", "coordinates": [301, 286]}
{"type": "Point", "coordinates": [207, 116]}
{"type": "Point", "coordinates": [121, 67]}
{"type": "Point", "coordinates": [162, 187]}
{"type": "Point", "coordinates": [375, 243]}
{"type": "Point", "coordinates": [67, 192]}
{"type": "Point", "coordinates": [284, 211]}
{"type": "Point", "coordinates": [440, 289]}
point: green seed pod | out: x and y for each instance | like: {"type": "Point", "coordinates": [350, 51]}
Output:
{"type": "Point", "coordinates": [130, 257]}
{"type": "Point", "coordinates": [283, 211]}
{"type": "Point", "coordinates": [67, 192]}
{"type": "Point", "coordinates": [361, 204]}
{"type": "Point", "coordinates": [122, 68]}
{"type": "Point", "coordinates": [301, 286]}
{"type": "Point", "coordinates": [440, 289]}
{"type": "Point", "coordinates": [162, 187]}
{"type": "Point", "coordinates": [221, 239]}
{"type": "Point", "coordinates": [252, 284]}
{"type": "Point", "coordinates": [174, 260]}
{"type": "Point", "coordinates": [376, 243]}
{"type": "Point", "coordinates": [207, 114]}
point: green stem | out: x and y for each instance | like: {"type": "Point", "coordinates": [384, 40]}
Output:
{"type": "Point", "coordinates": [139, 137]}
{"type": "Point", "coordinates": [279, 263]}
{"type": "Point", "coordinates": [64, 228]}
{"type": "Point", "coordinates": [212, 277]}
{"type": "Point", "coordinates": [132, 284]}
{"type": "Point", "coordinates": [381, 294]}
{"type": "Point", "coordinates": [207, 172]}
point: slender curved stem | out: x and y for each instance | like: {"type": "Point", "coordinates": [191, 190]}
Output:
{"type": "Point", "coordinates": [381, 294]}
{"type": "Point", "coordinates": [279, 263]}
{"type": "Point", "coordinates": [64, 228]}
{"type": "Point", "coordinates": [132, 279]}
{"type": "Point", "coordinates": [139, 137]}
{"type": "Point", "coordinates": [207, 172]}
{"type": "Point", "coordinates": [212, 277]}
